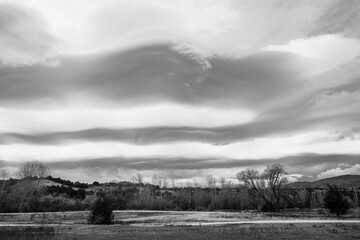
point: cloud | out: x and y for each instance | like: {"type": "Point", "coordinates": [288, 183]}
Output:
{"type": "Point", "coordinates": [194, 53]}
{"type": "Point", "coordinates": [208, 85]}
{"type": "Point", "coordinates": [218, 136]}
{"type": "Point", "coordinates": [345, 134]}
{"type": "Point", "coordinates": [152, 74]}
{"type": "Point", "coordinates": [224, 28]}
{"type": "Point", "coordinates": [143, 116]}
{"type": "Point", "coordinates": [328, 50]}
{"type": "Point", "coordinates": [256, 149]}
{"type": "Point", "coordinates": [339, 17]}
{"type": "Point", "coordinates": [353, 170]}
{"type": "Point", "coordinates": [303, 167]}
{"type": "Point", "coordinates": [24, 39]}
{"type": "Point", "coordinates": [294, 177]}
{"type": "Point", "coordinates": [297, 164]}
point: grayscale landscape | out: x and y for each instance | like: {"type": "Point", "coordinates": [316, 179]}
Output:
{"type": "Point", "coordinates": [191, 119]}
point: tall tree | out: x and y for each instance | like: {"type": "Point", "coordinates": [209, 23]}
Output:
{"type": "Point", "coordinates": [3, 184]}
{"type": "Point", "coordinates": [32, 169]}
{"type": "Point", "coordinates": [268, 185]}
{"type": "Point", "coordinates": [30, 173]}
{"type": "Point", "coordinates": [274, 175]}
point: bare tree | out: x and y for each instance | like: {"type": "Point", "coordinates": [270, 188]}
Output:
{"type": "Point", "coordinates": [273, 178]}
{"type": "Point", "coordinates": [173, 182]}
{"type": "Point", "coordinates": [160, 180]}
{"type": "Point", "coordinates": [133, 179]}
{"type": "Point", "coordinates": [3, 173]}
{"type": "Point", "coordinates": [3, 184]}
{"type": "Point", "coordinates": [223, 182]}
{"type": "Point", "coordinates": [165, 182]}
{"type": "Point", "coordinates": [155, 180]}
{"type": "Point", "coordinates": [276, 179]}
{"type": "Point", "coordinates": [32, 169]}
{"type": "Point", "coordinates": [210, 181]}
{"type": "Point", "coordinates": [29, 174]}
{"type": "Point", "coordinates": [139, 178]}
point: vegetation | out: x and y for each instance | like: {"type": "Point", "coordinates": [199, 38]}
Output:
{"type": "Point", "coordinates": [68, 183]}
{"type": "Point", "coordinates": [33, 191]}
{"type": "Point", "coordinates": [335, 201]}
{"type": "Point", "coordinates": [269, 185]}
{"type": "Point", "coordinates": [101, 210]}
{"type": "Point", "coordinates": [24, 189]}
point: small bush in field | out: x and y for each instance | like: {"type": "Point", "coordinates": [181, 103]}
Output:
{"type": "Point", "coordinates": [177, 208]}
{"type": "Point", "coordinates": [355, 212]}
{"type": "Point", "coordinates": [335, 201]}
{"type": "Point", "coordinates": [101, 211]}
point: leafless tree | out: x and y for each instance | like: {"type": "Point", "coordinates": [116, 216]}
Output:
{"type": "Point", "coordinates": [30, 174]}
{"type": "Point", "coordinates": [223, 182]}
{"type": "Point", "coordinates": [161, 181]}
{"type": "Point", "coordinates": [32, 169]}
{"type": "Point", "coordinates": [133, 179]}
{"type": "Point", "coordinates": [173, 182]}
{"type": "Point", "coordinates": [155, 180]}
{"type": "Point", "coordinates": [3, 173]}
{"type": "Point", "coordinates": [139, 178]}
{"type": "Point", "coordinates": [273, 178]}
{"type": "Point", "coordinates": [210, 181]}
{"type": "Point", "coordinates": [276, 180]}
{"type": "Point", "coordinates": [165, 182]}
{"type": "Point", "coordinates": [3, 184]}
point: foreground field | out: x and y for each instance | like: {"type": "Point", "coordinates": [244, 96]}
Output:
{"type": "Point", "coordinates": [177, 225]}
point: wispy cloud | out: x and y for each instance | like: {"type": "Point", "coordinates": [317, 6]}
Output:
{"type": "Point", "coordinates": [24, 39]}
{"type": "Point", "coordinates": [180, 88]}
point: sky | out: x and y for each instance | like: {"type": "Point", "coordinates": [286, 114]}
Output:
{"type": "Point", "coordinates": [104, 90]}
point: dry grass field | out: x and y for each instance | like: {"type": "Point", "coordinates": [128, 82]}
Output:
{"type": "Point", "coordinates": [178, 225]}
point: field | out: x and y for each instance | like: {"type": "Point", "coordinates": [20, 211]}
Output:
{"type": "Point", "coordinates": [179, 225]}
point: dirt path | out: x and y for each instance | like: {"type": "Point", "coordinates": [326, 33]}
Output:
{"type": "Point", "coordinates": [293, 221]}
{"type": "Point", "coordinates": [197, 223]}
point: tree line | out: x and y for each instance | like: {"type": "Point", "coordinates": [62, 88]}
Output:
{"type": "Point", "coordinates": [266, 191]}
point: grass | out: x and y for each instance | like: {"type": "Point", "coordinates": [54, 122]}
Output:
{"type": "Point", "coordinates": [167, 225]}
{"type": "Point", "coordinates": [245, 231]}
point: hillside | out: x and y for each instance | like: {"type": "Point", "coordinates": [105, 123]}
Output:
{"type": "Point", "coordinates": [344, 181]}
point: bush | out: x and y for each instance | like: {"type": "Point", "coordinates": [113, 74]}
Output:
{"type": "Point", "coordinates": [177, 208]}
{"type": "Point", "coordinates": [101, 211]}
{"type": "Point", "coordinates": [335, 201]}
{"type": "Point", "coordinates": [268, 207]}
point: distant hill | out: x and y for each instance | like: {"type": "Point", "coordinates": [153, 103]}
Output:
{"type": "Point", "coordinates": [344, 181]}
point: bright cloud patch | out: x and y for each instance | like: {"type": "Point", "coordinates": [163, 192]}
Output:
{"type": "Point", "coordinates": [256, 149]}
{"type": "Point", "coordinates": [143, 116]}
{"type": "Point", "coordinates": [353, 170]}
{"type": "Point", "coordinates": [329, 50]}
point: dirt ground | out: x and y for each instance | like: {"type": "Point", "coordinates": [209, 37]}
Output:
{"type": "Point", "coordinates": [175, 225]}
{"type": "Point", "coordinates": [309, 231]}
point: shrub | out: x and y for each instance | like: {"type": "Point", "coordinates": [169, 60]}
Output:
{"type": "Point", "coordinates": [101, 211]}
{"type": "Point", "coordinates": [355, 212]}
{"type": "Point", "coordinates": [335, 201]}
{"type": "Point", "coordinates": [268, 207]}
{"type": "Point", "coordinates": [177, 208]}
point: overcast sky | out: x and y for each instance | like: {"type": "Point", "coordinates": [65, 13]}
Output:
{"type": "Point", "coordinates": [102, 90]}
